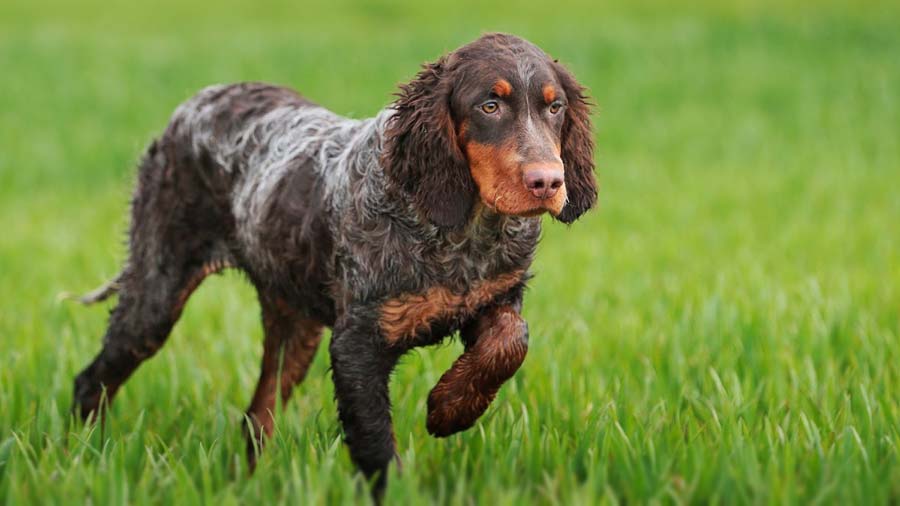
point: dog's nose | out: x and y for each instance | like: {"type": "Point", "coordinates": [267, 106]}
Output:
{"type": "Point", "coordinates": [543, 181]}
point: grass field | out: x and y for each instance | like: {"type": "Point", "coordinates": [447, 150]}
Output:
{"type": "Point", "coordinates": [724, 328]}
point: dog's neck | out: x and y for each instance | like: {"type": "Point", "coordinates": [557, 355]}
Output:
{"type": "Point", "coordinates": [485, 221]}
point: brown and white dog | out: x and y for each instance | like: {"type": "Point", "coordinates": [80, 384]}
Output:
{"type": "Point", "coordinates": [395, 231]}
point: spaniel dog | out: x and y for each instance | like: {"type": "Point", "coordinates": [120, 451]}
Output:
{"type": "Point", "coordinates": [394, 231]}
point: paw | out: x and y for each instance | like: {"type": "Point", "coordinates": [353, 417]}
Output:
{"type": "Point", "coordinates": [86, 398]}
{"type": "Point", "coordinates": [454, 408]}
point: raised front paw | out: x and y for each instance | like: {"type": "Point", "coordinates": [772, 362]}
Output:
{"type": "Point", "coordinates": [454, 404]}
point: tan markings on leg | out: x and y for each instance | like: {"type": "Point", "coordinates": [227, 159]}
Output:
{"type": "Point", "coordinates": [292, 341]}
{"type": "Point", "coordinates": [466, 390]}
{"type": "Point", "coordinates": [404, 316]}
{"type": "Point", "coordinates": [502, 88]}
{"type": "Point", "coordinates": [197, 277]}
{"type": "Point", "coordinates": [298, 356]}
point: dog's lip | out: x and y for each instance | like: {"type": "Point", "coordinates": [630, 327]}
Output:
{"type": "Point", "coordinates": [537, 207]}
{"type": "Point", "coordinates": [542, 206]}
{"type": "Point", "coordinates": [534, 212]}
{"type": "Point", "coordinates": [525, 213]}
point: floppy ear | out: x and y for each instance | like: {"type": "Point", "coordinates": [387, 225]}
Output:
{"type": "Point", "coordinates": [577, 149]}
{"type": "Point", "coordinates": [421, 152]}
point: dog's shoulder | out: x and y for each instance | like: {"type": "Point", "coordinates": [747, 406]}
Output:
{"type": "Point", "coordinates": [418, 278]}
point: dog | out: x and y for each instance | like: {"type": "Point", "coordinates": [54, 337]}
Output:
{"type": "Point", "coordinates": [394, 231]}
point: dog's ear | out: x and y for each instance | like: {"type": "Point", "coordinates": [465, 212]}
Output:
{"type": "Point", "coordinates": [422, 153]}
{"type": "Point", "coordinates": [577, 149]}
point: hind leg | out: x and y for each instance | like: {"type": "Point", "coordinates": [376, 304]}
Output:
{"type": "Point", "coordinates": [174, 242]}
{"type": "Point", "coordinates": [148, 307]}
{"type": "Point", "coordinates": [290, 345]}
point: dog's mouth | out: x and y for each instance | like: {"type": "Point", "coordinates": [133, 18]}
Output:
{"type": "Point", "coordinates": [540, 207]}
{"type": "Point", "coordinates": [524, 204]}
{"type": "Point", "coordinates": [533, 212]}
{"type": "Point", "coordinates": [520, 190]}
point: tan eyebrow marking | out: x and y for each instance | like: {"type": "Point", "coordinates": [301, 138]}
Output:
{"type": "Point", "coordinates": [549, 93]}
{"type": "Point", "coordinates": [502, 88]}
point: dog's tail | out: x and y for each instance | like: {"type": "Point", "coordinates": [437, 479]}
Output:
{"type": "Point", "coordinates": [103, 292]}
{"type": "Point", "coordinates": [97, 295]}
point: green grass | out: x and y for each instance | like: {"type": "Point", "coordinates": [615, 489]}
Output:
{"type": "Point", "coordinates": [724, 328]}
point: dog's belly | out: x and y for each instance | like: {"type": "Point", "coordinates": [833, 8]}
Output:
{"type": "Point", "coordinates": [403, 317]}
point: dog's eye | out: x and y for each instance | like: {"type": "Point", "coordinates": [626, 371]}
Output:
{"type": "Point", "coordinates": [555, 107]}
{"type": "Point", "coordinates": [490, 107]}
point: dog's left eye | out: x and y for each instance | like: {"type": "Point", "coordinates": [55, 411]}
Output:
{"type": "Point", "coordinates": [555, 107]}
{"type": "Point", "coordinates": [490, 107]}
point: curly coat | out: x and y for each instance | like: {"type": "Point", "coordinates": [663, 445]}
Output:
{"type": "Point", "coordinates": [394, 231]}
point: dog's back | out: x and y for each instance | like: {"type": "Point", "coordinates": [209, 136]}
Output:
{"type": "Point", "coordinates": [234, 181]}
{"type": "Point", "coordinates": [245, 175]}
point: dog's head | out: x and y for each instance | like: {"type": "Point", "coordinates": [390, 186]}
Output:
{"type": "Point", "coordinates": [498, 120]}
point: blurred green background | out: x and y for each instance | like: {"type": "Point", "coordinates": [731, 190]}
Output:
{"type": "Point", "coordinates": [722, 329]}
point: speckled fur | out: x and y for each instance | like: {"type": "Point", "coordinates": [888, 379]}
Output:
{"type": "Point", "coordinates": [333, 221]}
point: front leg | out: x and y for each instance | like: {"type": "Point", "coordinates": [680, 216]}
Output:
{"type": "Point", "coordinates": [496, 344]}
{"type": "Point", "coordinates": [361, 367]}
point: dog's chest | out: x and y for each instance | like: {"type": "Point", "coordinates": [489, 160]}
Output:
{"type": "Point", "coordinates": [405, 316]}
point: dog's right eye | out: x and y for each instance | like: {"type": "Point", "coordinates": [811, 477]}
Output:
{"type": "Point", "coordinates": [490, 107]}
